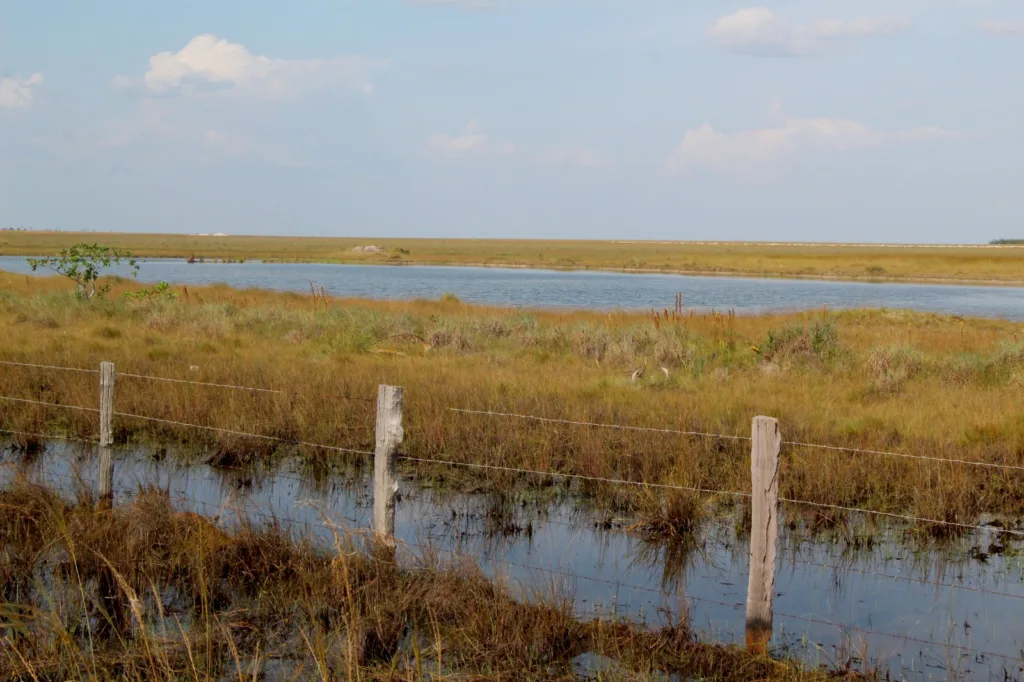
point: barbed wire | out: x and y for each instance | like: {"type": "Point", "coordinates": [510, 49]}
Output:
{"type": "Point", "coordinates": [967, 462]}
{"type": "Point", "coordinates": [66, 369]}
{"type": "Point", "coordinates": [904, 517]}
{"type": "Point", "coordinates": [597, 424]}
{"type": "Point", "coordinates": [573, 476]}
{"type": "Point", "coordinates": [243, 433]}
{"type": "Point", "coordinates": [196, 383]}
{"type": "Point", "coordinates": [40, 402]}
{"type": "Point", "coordinates": [561, 572]}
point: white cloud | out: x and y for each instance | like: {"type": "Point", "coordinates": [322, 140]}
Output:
{"type": "Point", "coordinates": [1003, 28]}
{"type": "Point", "coordinates": [212, 62]}
{"type": "Point", "coordinates": [759, 31]}
{"type": "Point", "coordinates": [18, 92]}
{"type": "Point", "coordinates": [750, 150]}
{"type": "Point", "coordinates": [471, 141]}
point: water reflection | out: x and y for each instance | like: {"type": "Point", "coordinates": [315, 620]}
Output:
{"type": "Point", "coordinates": [600, 290]}
{"type": "Point", "coordinates": [954, 601]}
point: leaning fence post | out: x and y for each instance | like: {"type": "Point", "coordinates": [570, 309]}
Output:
{"type": "Point", "coordinates": [106, 472]}
{"type": "Point", "coordinates": [385, 483]}
{"type": "Point", "coordinates": [764, 529]}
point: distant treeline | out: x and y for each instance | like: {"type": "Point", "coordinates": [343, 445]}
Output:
{"type": "Point", "coordinates": [1006, 242]}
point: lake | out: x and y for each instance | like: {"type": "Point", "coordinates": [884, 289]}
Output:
{"type": "Point", "coordinates": [592, 290]}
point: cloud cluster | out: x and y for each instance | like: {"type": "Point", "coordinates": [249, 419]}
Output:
{"type": "Point", "coordinates": [759, 31]}
{"type": "Point", "coordinates": [750, 150]}
{"type": "Point", "coordinates": [17, 92]}
{"type": "Point", "coordinates": [210, 62]}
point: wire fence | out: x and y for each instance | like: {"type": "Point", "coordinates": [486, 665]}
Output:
{"type": "Point", "coordinates": [419, 460]}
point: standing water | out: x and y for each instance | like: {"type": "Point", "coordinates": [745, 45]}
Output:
{"type": "Point", "coordinates": [591, 290]}
{"type": "Point", "coordinates": [919, 612]}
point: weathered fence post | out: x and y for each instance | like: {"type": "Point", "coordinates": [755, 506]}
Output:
{"type": "Point", "coordinates": [764, 529]}
{"type": "Point", "coordinates": [106, 471]}
{"type": "Point", "coordinates": [385, 484]}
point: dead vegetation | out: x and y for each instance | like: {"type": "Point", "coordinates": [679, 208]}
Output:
{"type": "Point", "coordinates": [145, 592]}
{"type": "Point", "coordinates": [891, 381]}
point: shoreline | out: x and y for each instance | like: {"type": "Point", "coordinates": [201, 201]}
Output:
{"type": "Point", "coordinates": [945, 281]}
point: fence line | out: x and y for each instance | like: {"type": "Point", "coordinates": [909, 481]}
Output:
{"type": "Point", "coordinates": [196, 383]}
{"type": "Point", "coordinates": [39, 402]}
{"type": "Point", "coordinates": [904, 517]}
{"type": "Point", "coordinates": [618, 427]}
{"type": "Point", "coordinates": [389, 434]}
{"type": "Point", "coordinates": [572, 476]}
{"type": "Point", "coordinates": [704, 434]}
{"type": "Point", "coordinates": [967, 462]}
{"type": "Point", "coordinates": [242, 433]}
{"type": "Point", "coordinates": [275, 518]}
{"type": "Point", "coordinates": [734, 605]}
{"type": "Point", "coordinates": [66, 369]}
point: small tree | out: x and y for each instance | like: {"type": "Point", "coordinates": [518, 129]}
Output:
{"type": "Point", "coordinates": [83, 264]}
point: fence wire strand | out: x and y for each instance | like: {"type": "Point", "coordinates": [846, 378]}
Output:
{"type": "Point", "coordinates": [573, 476]}
{"type": "Point", "coordinates": [967, 462]}
{"type": "Point", "coordinates": [618, 427]}
{"type": "Point", "coordinates": [904, 517]}
{"type": "Point", "coordinates": [559, 572]}
{"type": "Point", "coordinates": [243, 433]}
{"type": "Point", "coordinates": [40, 402]}
{"type": "Point", "coordinates": [196, 383]}
{"type": "Point", "coordinates": [64, 369]}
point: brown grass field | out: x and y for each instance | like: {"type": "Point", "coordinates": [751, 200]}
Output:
{"type": "Point", "coordinates": [992, 265]}
{"type": "Point", "coordinates": [905, 382]}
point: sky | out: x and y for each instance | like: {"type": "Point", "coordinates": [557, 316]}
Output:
{"type": "Point", "coordinates": [823, 120]}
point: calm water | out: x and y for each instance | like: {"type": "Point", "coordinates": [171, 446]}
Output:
{"type": "Point", "coordinates": [601, 290]}
{"type": "Point", "coordinates": [640, 581]}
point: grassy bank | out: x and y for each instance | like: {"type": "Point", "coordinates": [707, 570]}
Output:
{"type": "Point", "coordinates": [941, 264]}
{"type": "Point", "coordinates": [912, 383]}
{"type": "Point", "coordinates": [144, 592]}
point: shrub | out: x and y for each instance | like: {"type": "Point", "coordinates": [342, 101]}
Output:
{"type": "Point", "coordinates": [892, 366]}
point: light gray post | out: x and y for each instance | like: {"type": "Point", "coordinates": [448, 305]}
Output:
{"type": "Point", "coordinates": [764, 530]}
{"type": "Point", "coordinates": [385, 483]}
{"type": "Point", "coordinates": [106, 473]}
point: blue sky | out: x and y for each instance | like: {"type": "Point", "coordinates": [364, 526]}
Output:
{"type": "Point", "coordinates": [649, 119]}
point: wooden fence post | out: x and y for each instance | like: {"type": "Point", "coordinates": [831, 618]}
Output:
{"type": "Point", "coordinates": [764, 530]}
{"type": "Point", "coordinates": [385, 484]}
{"type": "Point", "coordinates": [106, 469]}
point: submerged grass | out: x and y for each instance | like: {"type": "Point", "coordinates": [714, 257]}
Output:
{"type": "Point", "coordinates": [885, 380]}
{"type": "Point", "coordinates": [145, 592]}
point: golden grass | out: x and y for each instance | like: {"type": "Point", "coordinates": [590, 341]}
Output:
{"type": "Point", "coordinates": [144, 592]}
{"type": "Point", "coordinates": [953, 264]}
{"type": "Point", "coordinates": [906, 382]}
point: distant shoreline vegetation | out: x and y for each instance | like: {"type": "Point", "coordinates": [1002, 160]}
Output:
{"type": "Point", "coordinates": [1007, 242]}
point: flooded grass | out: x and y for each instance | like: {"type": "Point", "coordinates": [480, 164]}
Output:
{"type": "Point", "coordinates": [837, 584]}
{"type": "Point", "coordinates": [149, 592]}
{"type": "Point", "coordinates": [829, 378]}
